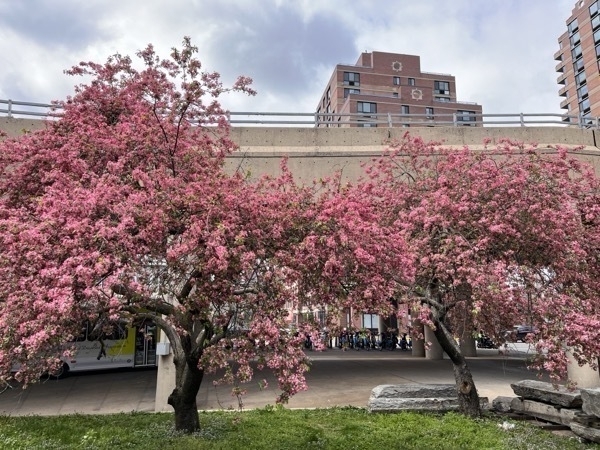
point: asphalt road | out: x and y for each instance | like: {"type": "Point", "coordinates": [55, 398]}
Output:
{"type": "Point", "coordinates": [336, 378]}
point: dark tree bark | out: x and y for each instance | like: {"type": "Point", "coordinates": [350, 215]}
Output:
{"type": "Point", "coordinates": [188, 378]}
{"type": "Point", "coordinates": [468, 399]}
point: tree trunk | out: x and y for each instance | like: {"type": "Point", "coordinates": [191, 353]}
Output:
{"type": "Point", "coordinates": [468, 399]}
{"type": "Point", "coordinates": [188, 378]}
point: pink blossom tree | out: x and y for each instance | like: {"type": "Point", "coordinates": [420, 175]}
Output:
{"type": "Point", "coordinates": [121, 209]}
{"type": "Point", "coordinates": [499, 236]}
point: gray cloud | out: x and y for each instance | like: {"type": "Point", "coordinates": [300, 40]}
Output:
{"type": "Point", "coordinates": [501, 51]}
{"type": "Point", "coordinates": [281, 51]}
{"type": "Point", "coordinates": [54, 23]}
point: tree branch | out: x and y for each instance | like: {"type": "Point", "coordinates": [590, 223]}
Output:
{"type": "Point", "coordinates": [188, 285]}
{"type": "Point", "coordinates": [165, 326]}
{"type": "Point", "coordinates": [160, 307]}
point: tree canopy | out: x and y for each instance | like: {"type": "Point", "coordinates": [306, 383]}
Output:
{"type": "Point", "coordinates": [499, 236]}
{"type": "Point", "coordinates": [121, 210]}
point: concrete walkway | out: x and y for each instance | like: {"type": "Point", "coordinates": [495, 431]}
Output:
{"type": "Point", "coordinates": [337, 378]}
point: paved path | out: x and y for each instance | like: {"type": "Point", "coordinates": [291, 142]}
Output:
{"type": "Point", "coordinates": [336, 378]}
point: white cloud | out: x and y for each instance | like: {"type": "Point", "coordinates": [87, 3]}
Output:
{"type": "Point", "coordinates": [500, 51]}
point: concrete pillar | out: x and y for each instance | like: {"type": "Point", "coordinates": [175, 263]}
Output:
{"type": "Point", "coordinates": [165, 380]}
{"type": "Point", "coordinates": [418, 345]}
{"type": "Point", "coordinates": [467, 344]}
{"type": "Point", "coordinates": [435, 349]}
{"type": "Point", "coordinates": [584, 376]}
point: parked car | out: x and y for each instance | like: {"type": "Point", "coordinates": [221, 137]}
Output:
{"type": "Point", "coordinates": [519, 333]}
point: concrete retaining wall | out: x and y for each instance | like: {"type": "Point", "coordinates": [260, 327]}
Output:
{"type": "Point", "coordinates": [317, 152]}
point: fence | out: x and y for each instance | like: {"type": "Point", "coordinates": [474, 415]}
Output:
{"type": "Point", "coordinates": [13, 108]}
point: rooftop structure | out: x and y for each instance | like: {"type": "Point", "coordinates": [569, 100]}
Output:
{"type": "Point", "coordinates": [384, 88]}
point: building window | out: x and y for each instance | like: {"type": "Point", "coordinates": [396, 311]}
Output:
{"type": "Point", "coordinates": [578, 65]}
{"type": "Point", "coordinates": [321, 317]}
{"type": "Point", "coordinates": [576, 52]}
{"type": "Point", "coordinates": [429, 112]}
{"type": "Point", "coordinates": [596, 22]}
{"type": "Point", "coordinates": [598, 50]}
{"type": "Point", "coordinates": [573, 27]}
{"type": "Point", "coordinates": [411, 81]}
{"type": "Point", "coordinates": [328, 93]}
{"type": "Point", "coordinates": [366, 107]}
{"type": "Point", "coordinates": [580, 79]}
{"type": "Point", "coordinates": [596, 36]}
{"type": "Point", "coordinates": [395, 94]}
{"type": "Point", "coordinates": [593, 9]}
{"type": "Point", "coordinates": [370, 321]}
{"type": "Point", "coordinates": [441, 99]}
{"type": "Point", "coordinates": [351, 79]}
{"type": "Point", "coordinates": [465, 116]}
{"type": "Point", "coordinates": [584, 106]}
{"type": "Point", "coordinates": [405, 109]}
{"type": "Point", "coordinates": [582, 92]}
{"type": "Point", "coordinates": [348, 91]}
{"type": "Point", "coordinates": [575, 39]}
{"type": "Point", "coordinates": [441, 87]}
{"type": "Point", "coordinates": [396, 81]}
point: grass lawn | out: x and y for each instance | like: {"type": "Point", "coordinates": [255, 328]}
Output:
{"type": "Point", "coordinates": [277, 429]}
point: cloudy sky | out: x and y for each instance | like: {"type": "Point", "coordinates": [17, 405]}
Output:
{"type": "Point", "coordinates": [500, 51]}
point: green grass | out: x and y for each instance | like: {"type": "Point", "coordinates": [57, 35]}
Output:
{"type": "Point", "coordinates": [277, 429]}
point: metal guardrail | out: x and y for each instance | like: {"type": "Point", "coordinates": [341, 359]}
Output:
{"type": "Point", "coordinates": [30, 108]}
{"type": "Point", "coordinates": [19, 109]}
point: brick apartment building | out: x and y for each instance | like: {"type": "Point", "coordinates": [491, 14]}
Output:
{"type": "Point", "coordinates": [578, 59]}
{"type": "Point", "coordinates": [390, 87]}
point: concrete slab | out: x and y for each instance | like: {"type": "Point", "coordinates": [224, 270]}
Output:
{"type": "Point", "coordinates": [336, 378]}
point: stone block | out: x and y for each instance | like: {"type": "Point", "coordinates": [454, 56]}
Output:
{"type": "Point", "coordinates": [546, 392]}
{"type": "Point", "coordinates": [417, 404]}
{"type": "Point", "coordinates": [414, 391]}
{"type": "Point", "coordinates": [502, 404]}
{"type": "Point", "coordinates": [591, 401]}
{"type": "Point", "coordinates": [416, 397]}
{"type": "Point", "coordinates": [412, 404]}
{"type": "Point", "coordinates": [544, 411]}
{"type": "Point", "coordinates": [591, 434]}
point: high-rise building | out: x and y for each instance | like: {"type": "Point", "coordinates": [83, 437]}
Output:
{"type": "Point", "coordinates": [577, 66]}
{"type": "Point", "coordinates": [383, 88]}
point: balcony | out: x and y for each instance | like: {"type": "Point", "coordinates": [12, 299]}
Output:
{"type": "Point", "coordinates": [558, 56]}
{"type": "Point", "coordinates": [563, 91]}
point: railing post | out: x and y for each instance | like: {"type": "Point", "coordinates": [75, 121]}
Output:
{"type": "Point", "coordinates": [580, 119]}
{"type": "Point", "coordinates": [522, 119]}
{"type": "Point", "coordinates": [455, 119]}
{"type": "Point", "coordinates": [9, 108]}
{"type": "Point", "coordinates": [389, 117]}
